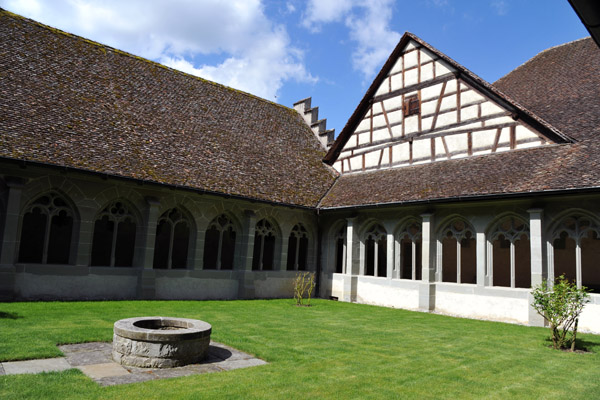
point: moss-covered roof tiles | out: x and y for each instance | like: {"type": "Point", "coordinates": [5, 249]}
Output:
{"type": "Point", "coordinates": [70, 102]}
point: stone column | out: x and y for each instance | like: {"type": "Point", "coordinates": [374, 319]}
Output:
{"type": "Point", "coordinates": [428, 257]}
{"type": "Point", "coordinates": [146, 283]}
{"type": "Point", "coordinates": [538, 267]}
{"type": "Point", "coordinates": [245, 280]}
{"type": "Point", "coordinates": [350, 280]}
{"type": "Point", "coordinates": [349, 245]}
{"type": "Point", "coordinates": [198, 259]}
{"type": "Point", "coordinates": [86, 236]}
{"type": "Point", "coordinates": [8, 253]}
{"type": "Point", "coordinates": [390, 255]}
{"type": "Point", "coordinates": [285, 242]}
{"type": "Point", "coordinates": [480, 245]}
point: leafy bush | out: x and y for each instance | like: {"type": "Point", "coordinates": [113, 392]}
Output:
{"type": "Point", "coordinates": [304, 283]}
{"type": "Point", "coordinates": [561, 306]}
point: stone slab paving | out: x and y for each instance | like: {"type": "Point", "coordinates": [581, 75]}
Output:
{"type": "Point", "coordinates": [95, 360]}
{"type": "Point", "coordinates": [36, 366]}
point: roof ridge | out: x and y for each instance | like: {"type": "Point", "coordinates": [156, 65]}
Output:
{"type": "Point", "coordinates": [131, 55]}
{"type": "Point", "coordinates": [539, 54]}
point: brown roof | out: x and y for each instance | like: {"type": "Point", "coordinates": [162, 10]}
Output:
{"type": "Point", "coordinates": [561, 86]}
{"type": "Point", "coordinates": [70, 102]}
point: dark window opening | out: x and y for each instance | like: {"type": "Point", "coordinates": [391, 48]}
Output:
{"type": "Point", "coordinates": [412, 106]}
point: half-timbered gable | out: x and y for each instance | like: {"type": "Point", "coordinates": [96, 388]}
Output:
{"type": "Point", "coordinates": [424, 107]}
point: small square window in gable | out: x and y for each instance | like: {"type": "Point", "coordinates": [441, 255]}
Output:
{"type": "Point", "coordinates": [411, 106]}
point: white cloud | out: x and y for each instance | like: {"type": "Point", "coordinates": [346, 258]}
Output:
{"type": "Point", "coordinates": [500, 7]}
{"type": "Point", "coordinates": [258, 56]}
{"type": "Point", "coordinates": [368, 23]}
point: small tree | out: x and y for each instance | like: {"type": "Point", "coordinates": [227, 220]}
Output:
{"type": "Point", "coordinates": [561, 306]}
{"type": "Point", "coordinates": [304, 283]}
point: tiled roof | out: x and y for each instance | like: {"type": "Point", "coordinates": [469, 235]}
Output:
{"type": "Point", "coordinates": [562, 86]}
{"type": "Point", "coordinates": [70, 102]}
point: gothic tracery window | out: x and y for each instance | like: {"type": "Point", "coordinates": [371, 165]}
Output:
{"type": "Point", "coordinates": [46, 231]}
{"type": "Point", "coordinates": [408, 251]}
{"type": "Point", "coordinates": [510, 254]}
{"type": "Point", "coordinates": [113, 242]}
{"type": "Point", "coordinates": [458, 253]}
{"type": "Point", "coordinates": [264, 246]}
{"type": "Point", "coordinates": [219, 244]}
{"type": "Point", "coordinates": [376, 251]}
{"type": "Point", "coordinates": [576, 250]}
{"type": "Point", "coordinates": [297, 249]}
{"type": "Point", "coordinates": [172, 240]}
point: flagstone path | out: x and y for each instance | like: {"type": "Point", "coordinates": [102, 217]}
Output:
{"type": "Point", "coordinates": [94, 360]}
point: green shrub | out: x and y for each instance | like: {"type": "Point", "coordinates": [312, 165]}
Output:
{"type": "Point", "coordinates": [561, 305]}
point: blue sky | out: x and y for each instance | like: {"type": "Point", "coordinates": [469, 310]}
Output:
{"type": "Point", "coordinates": [328, 49]}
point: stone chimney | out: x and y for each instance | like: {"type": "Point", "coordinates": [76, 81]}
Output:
{"type": "Point", "coordinates": [318, 126]}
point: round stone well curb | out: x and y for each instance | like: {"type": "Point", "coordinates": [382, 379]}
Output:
{"type": "Point", "coordinates": [160, 342]}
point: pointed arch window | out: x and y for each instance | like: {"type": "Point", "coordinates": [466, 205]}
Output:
{"type": "Point", "coordinates": [376, 251]}
{"type": "Point", "coordinates": [408, 251]}
{"type": "Point", "coordinates": [219, 244]}
{"type": "Point", "coordinates": [172, 240]}
{"type": "Point", "coordinates": [47, 231]}
{"type": "Point", "coordinates": [510, 254]}
{"type": "Point", "coordinates": [113, 242]}
{"type": "Point", "coordinates": [297, 249]}
{"type": "Point", "coordinates": [576, 250]}
{"type": "Point", "coordinates": [340, 250]}
{"type": "Point", "coordinates": [458, 253]}
{"type": "Point", "coordinates": [264, 246]}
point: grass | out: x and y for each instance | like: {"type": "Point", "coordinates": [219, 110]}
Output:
{"type": "Point", "coordinates": [329, 351]}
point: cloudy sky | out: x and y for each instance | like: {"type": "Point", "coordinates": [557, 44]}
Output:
{"type": "Point", "coordinates": [329, 49]}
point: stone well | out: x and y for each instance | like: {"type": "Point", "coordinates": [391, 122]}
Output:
{"type": "Point", "coordinates": [160, 342]}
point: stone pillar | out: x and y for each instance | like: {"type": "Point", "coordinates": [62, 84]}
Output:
{"type": "Point", "coordinates": [246, 279]}
{"type": "Point", "coordinates": [428, 258]}
{"type": "Point", "coordinates": [349, 245]}
{"type": "Point", "coordinates": [146, 282]}
{"type": "Point", "coordinates": [198, 259]}
{"type": "Point", "coordinates": [390, 255]}
{"type": "Point", "coordinates": [86, 237]}
{"type": "Point", "coordinates": [538, 267]}
{"type": "Point", "coordinates": [480, 245]}
{"type": "Point", "coordinates": [285, 242]}
{"type": "Point", "coordinates": [350, 281]}
{"type": "Point", "coordinates": [8, 253]}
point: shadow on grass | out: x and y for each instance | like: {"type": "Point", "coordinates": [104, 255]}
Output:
{"type": "Point", "coordinates": [9, 315]}
{"type": "Point", "coordinates": [581, 346]}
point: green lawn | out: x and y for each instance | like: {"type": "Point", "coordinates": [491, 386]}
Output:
{"type": "Point", "coordinates": [331, 350]}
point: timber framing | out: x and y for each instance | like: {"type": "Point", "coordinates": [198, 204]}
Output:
{"type": "Point", "coordinates": [513, 109]}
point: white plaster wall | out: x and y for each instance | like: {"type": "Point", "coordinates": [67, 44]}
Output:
{"type": "Point", "coordinates": [590, 317]}
{"type": "Point", "coordinates": [337, 286]}
{"type": "Point", "coordinates": [421, 148]}
{"type": "Point", "coordinates": [381, 134]}
{"type": "Point", "coordinates": [388, 292]}
{"type": "Point", "coordinates": [372, 158]}
{"type": "Point", "coordinates": [411, 124]}
{"type": "Point", "coordinates": [47, 286]}
{"type": "Point", "coordinates": [426, 72]}
{"type": "Point", "coordinates": [396, 82]}
{"type": "Point", "coordinates": [410, 59]}
{"type": "Point", "coordinates": [411, 77]}
{"type": "Point", "coordinates": [505, 305]}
